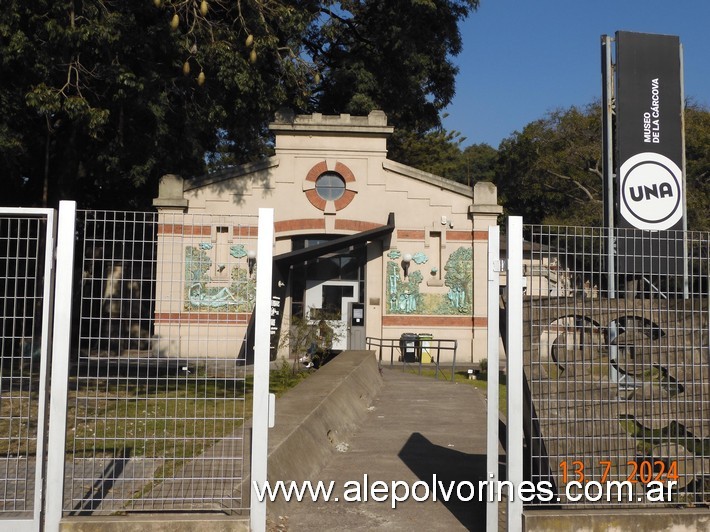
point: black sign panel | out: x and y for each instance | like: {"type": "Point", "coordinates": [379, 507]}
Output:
{"type": "Point", "coordinates": [649, 152]}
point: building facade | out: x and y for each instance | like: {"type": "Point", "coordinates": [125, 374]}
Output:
{"type": "Point", "coordinates": [370, 246]}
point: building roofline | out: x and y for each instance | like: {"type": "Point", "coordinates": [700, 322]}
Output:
{"type": "Point", "coordinates": [229, 173]}
{"type": "Point", "coordinates": [426, 177]}
{"type": "Point", "coordinates": [374, 124]}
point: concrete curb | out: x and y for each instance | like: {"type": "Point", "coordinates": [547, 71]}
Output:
{"type": "Point", "coordinates": [314, 419]}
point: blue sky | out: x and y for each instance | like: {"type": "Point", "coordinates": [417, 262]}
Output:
{"type": "Point", "coordinates": [523, 58]}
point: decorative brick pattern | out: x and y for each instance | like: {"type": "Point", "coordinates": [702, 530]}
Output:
{"type": "Point", "coordinates": [344, 171]}
{"type": "Point", "coordinates": [299, 225]}
{"type": "Point", "coordinates": [317, 170]}
{"type": "Point", "coordinates": [434, 321]}
{"type": "Point", "coordinates": [186, 230]}
{"type": "Point", "coordinates": [467, 236]}
{"type": "Point", "coordinates": [203, 317]}
{"type": "Point", "coordinates": [344, 200]}
{"type": "Point", "coordinates": [318, 202]}
{"type": "Point", "coordinates": [347, 175]}
{"type": "Point", "coordinates": [355, 225]}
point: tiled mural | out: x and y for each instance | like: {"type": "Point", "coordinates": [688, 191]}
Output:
{"type": "Point", "coordinates": [211, 285]}
{"type": "Point", "coordinates": [410, 295]}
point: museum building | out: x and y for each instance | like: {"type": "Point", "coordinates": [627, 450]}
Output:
{"type": "Point", "coordinates": [375, 248]}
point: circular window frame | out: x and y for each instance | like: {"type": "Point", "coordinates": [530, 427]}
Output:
{"type": "Point", "coordinates": [329, 205]}
{"type": "Point", "coordinates": [333, 189]}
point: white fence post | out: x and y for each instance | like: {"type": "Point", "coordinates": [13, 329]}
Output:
{"type": "Point", "coordinates": [494, 269]}
{"type": "Point", "coordinates": [514, 367]}
{"type": "Point", "coordinates": [262, 337]}
{"type": "Point", "coordinates": [61, 337]}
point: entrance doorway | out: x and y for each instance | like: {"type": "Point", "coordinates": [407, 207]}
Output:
{"type": "Point", "coordinates": [330, 300]}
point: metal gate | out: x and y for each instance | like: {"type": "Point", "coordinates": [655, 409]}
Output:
{"type": "Point", "coordinates": [614, 384]}
{"type": "Point", "coordinates": [26, 260]}
{"type": "Point", "coordinates": [150, 387]}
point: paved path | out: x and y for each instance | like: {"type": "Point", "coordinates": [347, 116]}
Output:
{"type": "Point", "coordinates": [417, 427]}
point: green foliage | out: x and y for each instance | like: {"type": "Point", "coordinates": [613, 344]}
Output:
{"type": "Point", "coordinates": [285, 377]}
{"type": "Point", "coordinates": [697, 154]}
{"type": "Point", "coordinates": [551, 171]}
{"type": "Point", "coordinates": [393, 55]}
{"type": "Point", "coordinates": [102, 97]}
{"type": "Point", "coordinates": [304, 333]}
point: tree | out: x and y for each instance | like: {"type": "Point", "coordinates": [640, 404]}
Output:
{"type": "Point", "coordinates": [697, 174]}
{"type": "Point", "coordinates": [437, 151]}
{"type": "Point", "coordinates": [394, 56]}
{"type": "Point", "coordinates": [551, 172]}
{"type": "Point", "coordinates": [102, 97]}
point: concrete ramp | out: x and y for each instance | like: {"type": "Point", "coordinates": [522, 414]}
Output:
{"type": "Point", "coordinates": [418, 430]}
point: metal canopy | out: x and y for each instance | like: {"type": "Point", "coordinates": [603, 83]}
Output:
{"type": "Point", "coordinates": [302, 255]}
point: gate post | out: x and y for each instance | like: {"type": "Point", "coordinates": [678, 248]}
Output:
{"type": "Point", "coordinates": [514, 368]}
{"type": "Point", "coordinates": [494, 269]}
{"type": "Point", "coordinates": [61, 335]}
{"type": "Point", "coordinates": [262, 352]}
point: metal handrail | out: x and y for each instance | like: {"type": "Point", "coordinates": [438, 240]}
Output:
{"type": "Point", "coordinates": [435, 344]}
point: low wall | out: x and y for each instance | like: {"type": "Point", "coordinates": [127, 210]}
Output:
{"type": "Point", "coordinates": [318, 415]}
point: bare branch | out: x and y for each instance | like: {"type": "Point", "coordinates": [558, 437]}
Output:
{"type": "Point", "coordinates": [579, 185]}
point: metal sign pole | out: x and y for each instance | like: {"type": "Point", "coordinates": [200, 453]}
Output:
{"type": "Point", "coordinates": [608, 160]}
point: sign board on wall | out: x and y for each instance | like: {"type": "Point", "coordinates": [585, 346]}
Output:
{"type": "Point", "coordinates": [649, 139]}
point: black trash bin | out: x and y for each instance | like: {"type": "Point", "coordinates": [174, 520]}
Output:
{"type": "Point", "coordinates": [408, 347]}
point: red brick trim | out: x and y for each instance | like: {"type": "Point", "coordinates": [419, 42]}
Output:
{"type": "Point", "coordinates": [184, 230]}
{"type": "Point", "coordinates": [397, 320]}
{"type": "Point", "coordinates": [354, 225]}
{"type": "Point", "coordinates": [245, 230]}
{"type": "Point", "coordinates": [315, 199]}
{"type": "Point", "coordinates": [467, 236]}
{"type": "Point", "coordinates": [347, 175]}
{"type": "Point", "coordinates": [344, 200]}
{"type": "Point", "coordinates": [344, 171]}
{"type": "Point", "coordinates": [317, 170]}
{"type": "Point", "coordinates": [299, 225]}
{"type": "Point", "coordinates": [227, 318]}
{"type": "Point", "coordinates": [409, 234]}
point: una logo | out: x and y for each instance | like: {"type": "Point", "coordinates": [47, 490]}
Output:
{"type": "Point", "coordinates": [651, 191]}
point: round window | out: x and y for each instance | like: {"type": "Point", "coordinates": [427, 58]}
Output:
{"type": "Point", "coordinates": [330, 186]}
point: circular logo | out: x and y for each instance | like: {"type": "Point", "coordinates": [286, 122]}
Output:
{"type": "Point", "coordinates": [651, 191]}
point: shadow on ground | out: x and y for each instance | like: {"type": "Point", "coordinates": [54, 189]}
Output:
{"type": "Point", "coordinates": [456, 473]}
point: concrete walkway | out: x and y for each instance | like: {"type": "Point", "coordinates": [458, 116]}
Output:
{"type": "Point", "coordinates": [417, 427]}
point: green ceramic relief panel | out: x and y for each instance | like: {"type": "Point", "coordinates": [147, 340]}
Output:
{"type": "Point", "coordinates": [411, 296]}
{"type": "Point", "coordinates": [403, 295]}
{"type": "Point", "coordinates": [203, 294]}
{"type": "Point", "coordinates": [459, 279]}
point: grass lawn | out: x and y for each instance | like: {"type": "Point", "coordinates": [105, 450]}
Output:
{"type": "Point", "coordinates": [166, 417]}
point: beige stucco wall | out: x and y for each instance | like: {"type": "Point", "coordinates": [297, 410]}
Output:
{"type": "Point", "coordinates": [434, 217]}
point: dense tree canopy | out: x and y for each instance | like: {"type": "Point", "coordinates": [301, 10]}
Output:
{"type": "Point", "coordinates": [101, 97]}
{"type": "Point", "coordinates": [551, 172]}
